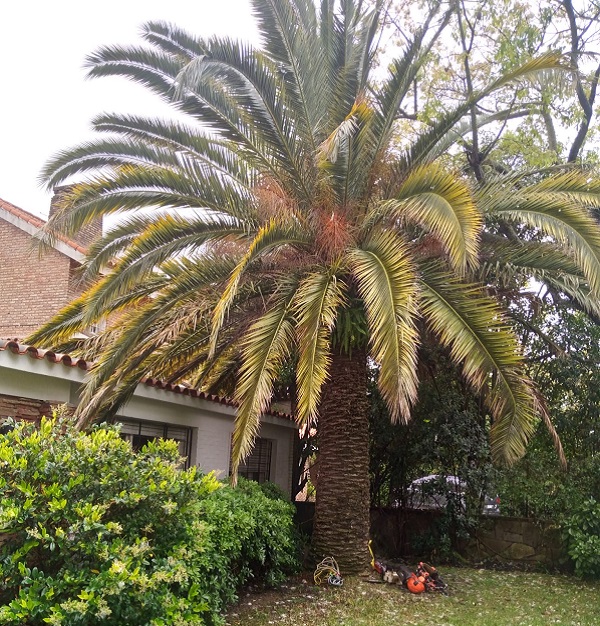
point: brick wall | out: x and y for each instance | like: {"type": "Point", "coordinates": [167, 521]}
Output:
{"type": "Point", "coordinates": [32, 289]}
{"type": "Point", "coordinates": [23, 408]}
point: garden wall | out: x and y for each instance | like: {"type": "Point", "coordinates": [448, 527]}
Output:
{"type": "Point", "coordinates": [517, 539]}
{"type": "Point", "coordinates": [23, 408]}
{"type": "Point", "coordinates": [394, 532]}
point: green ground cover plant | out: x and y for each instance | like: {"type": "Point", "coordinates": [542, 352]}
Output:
{"type": "Point", "coordinates": [92, 533]}
{"type": "Point", "coordinates": [477, 598]}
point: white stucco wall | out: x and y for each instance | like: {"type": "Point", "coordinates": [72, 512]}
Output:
{"type": "Point", "coordinates": [212, 422]}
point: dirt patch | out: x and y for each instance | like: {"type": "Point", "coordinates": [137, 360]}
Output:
{"type": "Point", "coordinates": [255, 601]}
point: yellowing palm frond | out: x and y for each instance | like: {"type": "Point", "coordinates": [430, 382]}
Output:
{"type": "Point", "coordinates": [274, 234]}
{"type": "Point", "coordinates": [267, 343]}
{"type": "Point", "coordinates": [442, 204]}
{"type": "Point", "coordinates": [387, 286]}
{"type": "Point", "coordinates": [317, 301]}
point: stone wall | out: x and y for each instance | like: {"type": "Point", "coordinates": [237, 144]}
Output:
{"type": "Point", "coordinates": [498, 538]}
{"type": "Point", "coordinates": [516, 539]}
{"type": "Point", "coordinates": [23, 408]}
{"type": "Point", "coordinates": [395, 532]}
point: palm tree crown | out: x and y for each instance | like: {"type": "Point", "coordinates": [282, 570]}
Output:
{"type": "Point", "coordinates": [306, 235]}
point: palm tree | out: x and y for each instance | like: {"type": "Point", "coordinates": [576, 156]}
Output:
{"type": "Point", "coordinates": [307, 238]}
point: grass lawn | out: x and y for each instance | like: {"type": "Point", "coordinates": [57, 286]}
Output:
{"type": "Point", "coordinates": [476, 598]}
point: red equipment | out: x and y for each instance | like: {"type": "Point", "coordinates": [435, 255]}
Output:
{"type": "Point", "coordinates": [414, 584]}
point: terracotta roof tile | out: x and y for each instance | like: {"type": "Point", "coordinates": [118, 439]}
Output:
{"type": "Point", "coordinates": [38, 222]}
{"type": "Point", "coordinates": [14, 346]}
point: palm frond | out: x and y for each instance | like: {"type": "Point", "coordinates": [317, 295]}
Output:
{"type": "Point", "coordinates": [423, 149]}
{"type": "Point", "coordinates": [318, 298]}
{"type": "Point", "coordinates": [386, 282]}
{"type": "Point", "coordinates": [254, 81]}
{"type": "Point", "coordinates": [555, 213]}
{"type": "Point", "coordinates": [145, 241]}
{"type": "Point", "coordinates": [141, 332]}
{"type": "Point", "coordinates": [208, 100]}
{"type": "Point", "coordinates": [176, 138]}
{"type": "Point", "coordinates": [267, 344]}
{"type": "Point", "coordinates": [63, 330]}
{"type": "Point", "coordinates": [402, 73]}
{"type": "Point", "coordinates": [136, 188]}
{"type": "Point", "coordinates": [173, 40]}
{"type": "Point", "coordinates": [289, 31]}
{"type": "Point", "coordinates": [508, 264]}
{"type": "Point", "coordinates": [443, 205]}
{"type": "Point", "coordinates": [271, 236]}
{"type": "Point", "coordinates": [471, 325]}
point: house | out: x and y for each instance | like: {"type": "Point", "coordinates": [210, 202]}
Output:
{"type": "Point", "coordinates": [34, 287]}
{"type": "Point", "coordinates": [32, 381]}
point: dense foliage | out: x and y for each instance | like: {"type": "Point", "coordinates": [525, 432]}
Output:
{"type": "Point", "coordinates": [448, 436]}
{"type": "Point", "coordinates": [582, 531]}
{"type": "Point", "coordinates": [564, 362]}
{"type": "Point", "coordinates": [97, 535]}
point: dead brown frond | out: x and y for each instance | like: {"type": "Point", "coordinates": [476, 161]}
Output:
{"type": "Point", "coordinates": [235, 245]}
{"type": "Point", "coordinates": [334, 234]}
{"type": "Point", "coordinates": [272, 201]}
{"type": "Point", "coordinates": [429, 247]}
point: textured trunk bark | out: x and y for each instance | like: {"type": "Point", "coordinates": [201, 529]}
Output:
{"type": "Point", "coordinates": [342, 509]}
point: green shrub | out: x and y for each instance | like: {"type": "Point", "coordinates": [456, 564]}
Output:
{"type": "Point", "coordinates": [97, 535]}
{"type": "Point", "coordinates": [582, 530]}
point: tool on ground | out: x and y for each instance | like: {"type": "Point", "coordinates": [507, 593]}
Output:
{"type": "Point", "coordinates": [424, 578]}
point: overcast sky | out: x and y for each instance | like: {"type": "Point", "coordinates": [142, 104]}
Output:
{"type": "Point", "coordinates": [46, 102]}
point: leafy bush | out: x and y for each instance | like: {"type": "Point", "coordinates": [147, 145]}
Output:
{"type": "Point", "coordinates": [582, 530]}
{"type": "Point", "coordinates": [94, 534]}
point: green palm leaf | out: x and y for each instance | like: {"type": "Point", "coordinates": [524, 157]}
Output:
{"type": "Point", "coordinates": [555, 214]}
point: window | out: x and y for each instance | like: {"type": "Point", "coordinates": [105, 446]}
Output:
{"type": "Point", "coordinates": [139, 433]}
{"type": "Point", "coordinates": [258, 465]}
{"type": "Point", "coordinates": [95, 329]}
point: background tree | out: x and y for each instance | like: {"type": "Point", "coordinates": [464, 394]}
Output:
{"type": "Point", "coordinates": [448, 434]}
{"type": "Point", "coordinates": [307, 235]}
{"type": "Point", "coordinates": [566, 367]}
{"type": "Point", "coordinates": [548, 118]}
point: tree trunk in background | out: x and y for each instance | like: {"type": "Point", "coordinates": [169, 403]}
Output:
{"type": "Point", "coordinates": [342, 509]}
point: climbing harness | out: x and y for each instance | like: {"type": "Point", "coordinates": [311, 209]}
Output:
{"type": "Point", "coordinates": [328, 571]}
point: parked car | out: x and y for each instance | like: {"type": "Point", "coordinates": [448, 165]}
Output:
{"type": "Point", "coordinates": [435, 491]}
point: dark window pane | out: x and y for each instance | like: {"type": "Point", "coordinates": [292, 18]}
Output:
{"type": "Point", "coordinates": [139, 433]}
{"type": "Point", "coordinates": [258, 465]}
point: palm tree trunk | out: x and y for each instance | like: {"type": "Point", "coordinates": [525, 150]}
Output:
{"type": "Point", "coordinates": [342, 509]}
